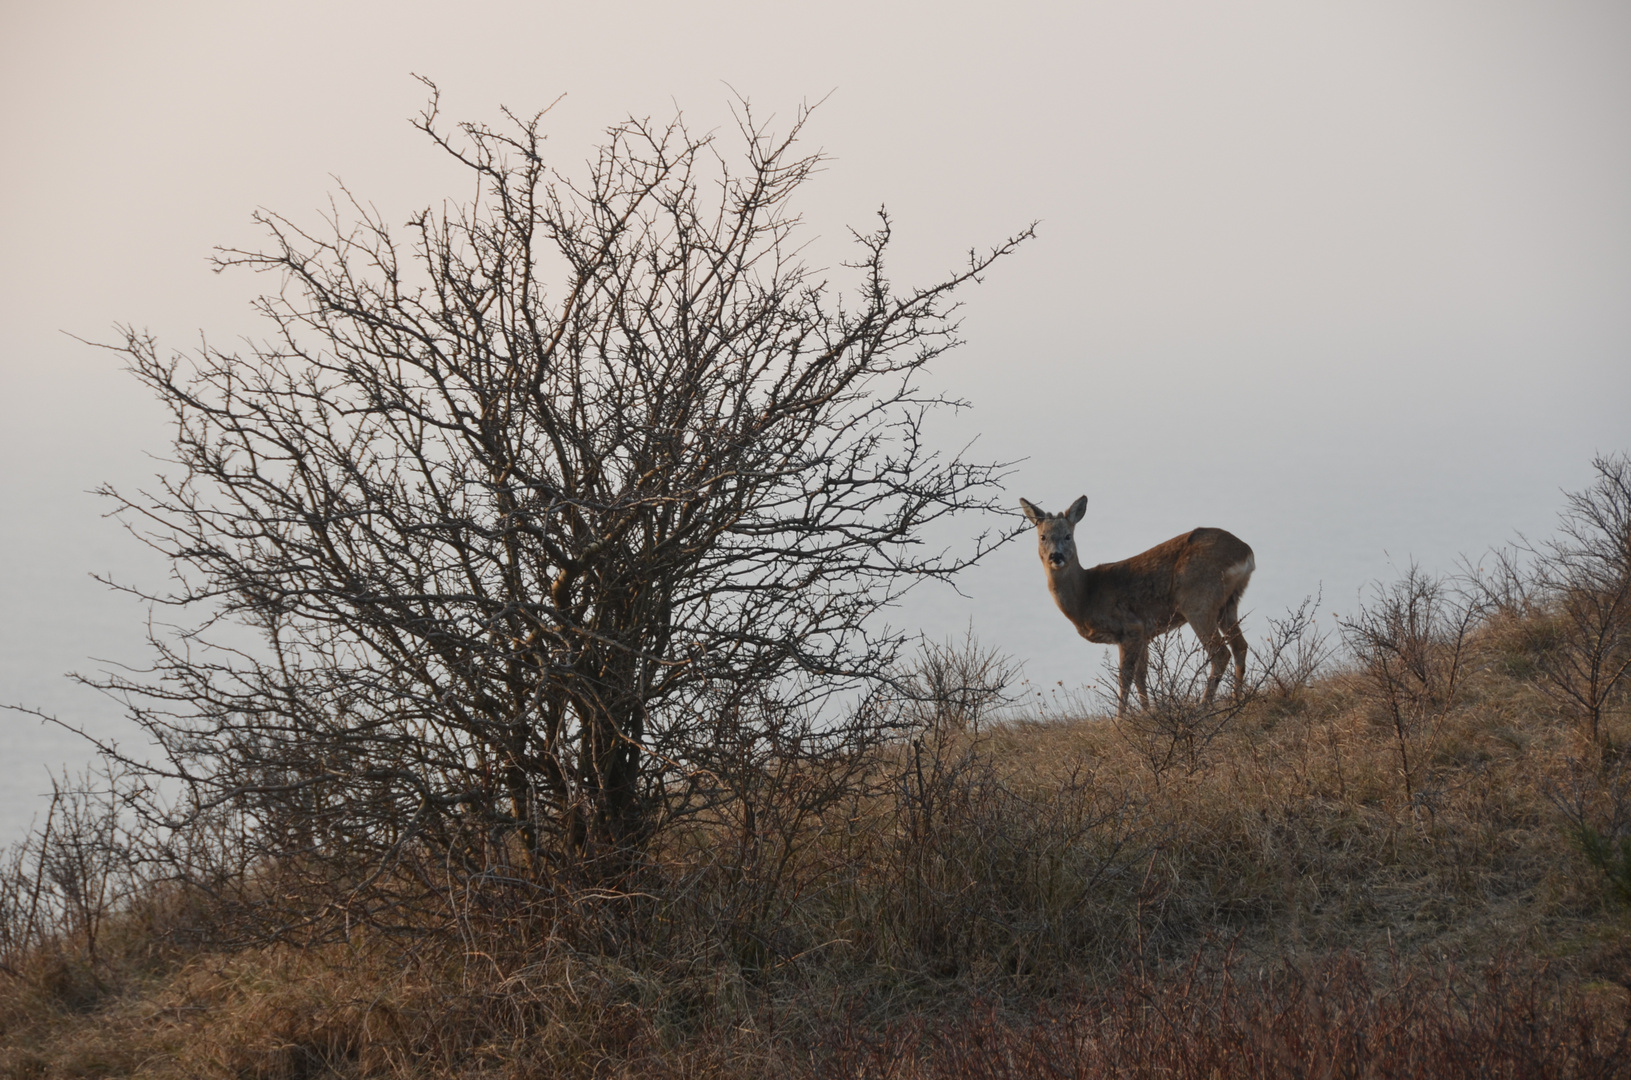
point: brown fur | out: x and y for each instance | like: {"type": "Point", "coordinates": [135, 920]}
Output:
{"type": "Point", "coordinates": [1196, 578]}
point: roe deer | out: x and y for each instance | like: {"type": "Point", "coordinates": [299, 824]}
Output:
{"type": "Point", "coordinates": [1195, 578]}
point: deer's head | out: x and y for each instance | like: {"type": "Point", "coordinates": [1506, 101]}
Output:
{"type": "Point", "coordinates": [1056, 533]}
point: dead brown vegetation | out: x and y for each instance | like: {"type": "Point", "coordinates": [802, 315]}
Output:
{"type": "Point", "coordinates": [1022, 863]}
{"type": "Point", "coordinates": [1335, 1018]}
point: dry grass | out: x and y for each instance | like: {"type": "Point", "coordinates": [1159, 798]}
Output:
{"type": "Point", "coordinates": [1336, 1018]}
{"type": "Point", "coordinates": [1020, 862]}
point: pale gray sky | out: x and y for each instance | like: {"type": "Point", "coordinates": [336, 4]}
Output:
{"type": "Point", "coordinates": [1351, 279]}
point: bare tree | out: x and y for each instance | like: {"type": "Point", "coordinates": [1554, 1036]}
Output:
{"type": "Point", "coordinates": [524, 505]}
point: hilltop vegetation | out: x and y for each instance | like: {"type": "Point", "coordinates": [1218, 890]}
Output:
{"type": "Point", "coordinates": [1409, 849]}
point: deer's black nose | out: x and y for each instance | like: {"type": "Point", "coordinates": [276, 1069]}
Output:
{"type": "Point", "coordinates": [1055, 559]}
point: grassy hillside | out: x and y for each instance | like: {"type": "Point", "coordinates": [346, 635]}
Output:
{"type": "Point", "coordinates": [1407, 851]}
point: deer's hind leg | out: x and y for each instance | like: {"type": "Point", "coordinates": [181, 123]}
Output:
{"type": "Point", "coordinates": [1229, 623]}
{"type": "Point", "coordinates": [1206, 629]}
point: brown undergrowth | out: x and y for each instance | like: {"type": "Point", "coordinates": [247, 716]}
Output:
{"type": "Point", "coordinates": [1008, 862]}
{"type": "Point", "coordinates": [1333, 1018]}
{"type": "Point", "coordinates": [1410, 861]}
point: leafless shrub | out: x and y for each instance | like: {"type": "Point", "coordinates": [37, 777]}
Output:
{"type": "Point", "coordinates": [942, 699]}
{"type": "Point", "coordinates": [989, 876]}
{"type": "Point", "coordinates": [1561, 616]}
{"type": "Point", "coordinates": [1595, 801]}
{"type": "Point", "coordinates": [1296, 651]}
{"type": "Point", "coordinates": [1178, 723]}
{"type": "Point", "coordinates": [975, 869]}
{"type": "Point", "coordinates": [742, 869]}
{"type": "Point", "coordinates": [1411, 644]}
{"type": "Point", "coordinates": [1567, 601]}
{"type": "Point", "coordinates": [63, 882]}
{"type": "Point", "coordinates": [955, 685]}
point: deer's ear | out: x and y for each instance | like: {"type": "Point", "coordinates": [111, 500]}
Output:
{"type": "Point", "coordinates": [1077, 510]}
{"type": "Point", "coordinates": [1032, 511]}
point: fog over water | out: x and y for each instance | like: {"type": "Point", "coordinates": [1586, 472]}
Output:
{"type": "Point", "coordinates": [1352, 280]}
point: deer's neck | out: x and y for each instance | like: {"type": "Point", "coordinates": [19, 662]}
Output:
{"type": "Point", "coordinates": [1075, 590]}
{"type": "Point", "coordinates": [1072, 589]}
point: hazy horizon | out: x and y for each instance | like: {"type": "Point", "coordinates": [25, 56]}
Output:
{"type": "Point", "coordinates": [1352, 281]}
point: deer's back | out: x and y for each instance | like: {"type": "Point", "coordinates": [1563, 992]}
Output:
{"type": "Point", "coordinates": [1193, 566]}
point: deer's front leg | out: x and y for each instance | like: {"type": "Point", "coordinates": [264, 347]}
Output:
{"type": "Point", "coordinates": [1133, 663]}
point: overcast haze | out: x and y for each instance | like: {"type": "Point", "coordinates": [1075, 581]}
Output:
{"type": "Point", "coordinates": [1352, 280]}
